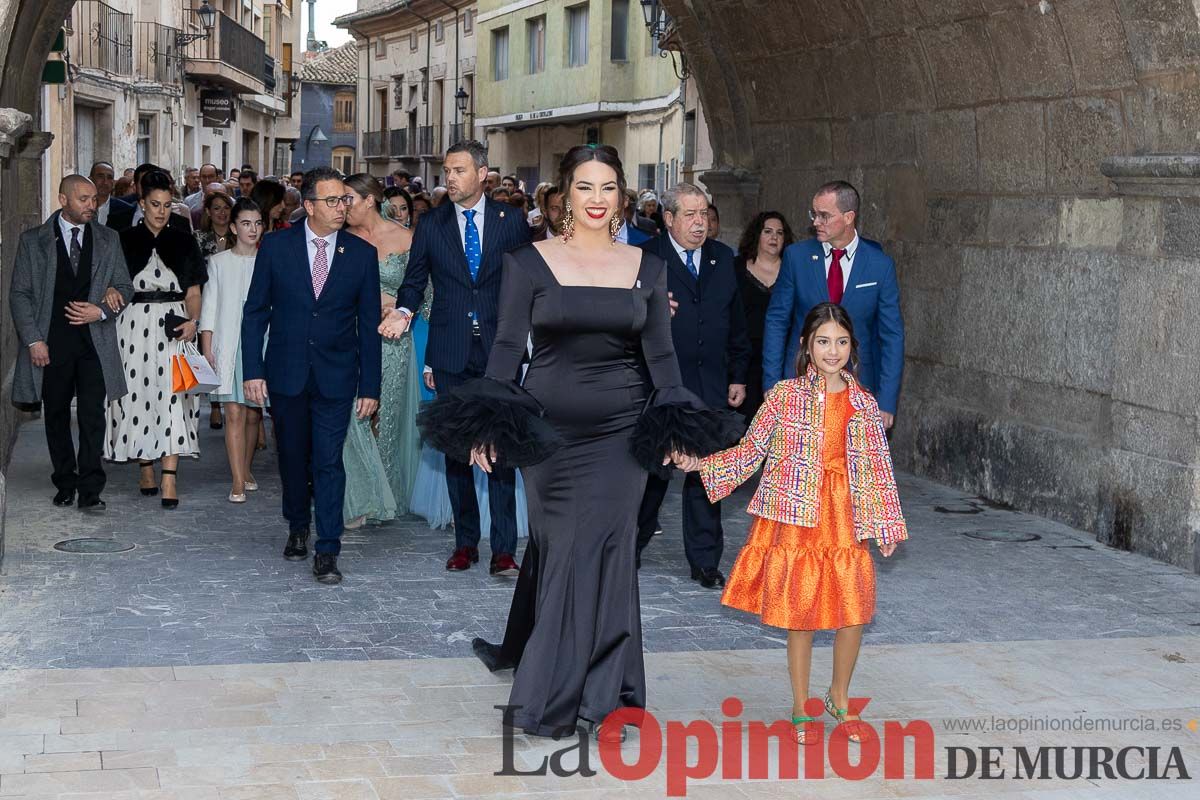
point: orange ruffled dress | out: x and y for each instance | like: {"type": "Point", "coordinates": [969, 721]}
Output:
{"type": "Point", "coordinates": [818, 578]}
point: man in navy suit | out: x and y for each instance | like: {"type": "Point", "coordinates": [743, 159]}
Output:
{"type": "Point", "coordinates": [317, 288]}
{"type": "Point", "coordinates": [459, 246]}
{"type": "Point", "coordinates": [838, 266]}
{"type": "Point", "coordinates": [713, 350]}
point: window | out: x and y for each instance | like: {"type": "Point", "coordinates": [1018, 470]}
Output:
{"type": "Point", "coordinates": [380, 48]}
{"type": "Point", "coordinates": [143, 139]}
{"type": "Point", "coordinates": [619, 51]}
{"type": "Point", "coordinates": [468, 22]}
{"type": "Point", "coordinates": [413, 41]}
{"type": "Point", "coordinates": [535, 34]}
{"type": "Point", "coordinates": [577, 36]}
{"type": "Point", "coordinates": [268, 29]}
{"type": "Point", "coordinates": [500, 54]}
{"type": "Point", "coordinates": [343, 112]}
{"type": "Point", "coordinates": [439, 31]}
{"type": "Point", "coordinates": [646, 176]}
{"type": "Point", "coordinates": [343, 160]}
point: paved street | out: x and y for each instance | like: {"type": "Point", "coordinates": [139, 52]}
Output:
{"type": "Point", "coordinates": [182, 668]}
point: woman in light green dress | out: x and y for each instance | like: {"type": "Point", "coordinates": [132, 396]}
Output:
{"type": "Point", "coordinates": [398, 445]}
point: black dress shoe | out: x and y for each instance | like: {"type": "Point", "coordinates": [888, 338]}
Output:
{"type": "Point", "coordinates": [709, 578]}
{"type": "Point", "coordinates": [491, 655]}
{"type": "Point", "coordinates": [91, 504]}
{"type": "Point", "coordinates": [64, 497]}
{"type": "Point", "coordinates": [297, 546]}
{"type": "Point", "coordinates": [325, 569]}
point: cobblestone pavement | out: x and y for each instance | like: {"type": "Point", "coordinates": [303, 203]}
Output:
{"type": "Point", "coordinates": [206, 583]}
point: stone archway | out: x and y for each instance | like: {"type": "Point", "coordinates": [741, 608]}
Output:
{"type": "Point", "coordinates": [1009, 153]}
{"type": "Point", "coordinates": [27, 31]}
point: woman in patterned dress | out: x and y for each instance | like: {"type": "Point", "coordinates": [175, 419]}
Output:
{"type": "Point", "coordinates": [152, 422]}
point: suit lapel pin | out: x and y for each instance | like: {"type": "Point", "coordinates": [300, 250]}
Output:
{"type": "Point", "coordinates": [501, 215]}
{"type": "Point", "coordinates": [713, 262]}
{"type": "Point", "coordinates": [341, 249]}
{"type": "Point", "coordinates": [815, 258]}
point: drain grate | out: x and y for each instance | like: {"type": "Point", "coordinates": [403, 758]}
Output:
{"type": "Point", "coordinates": [92, 545]}
{"type": "Point", "coordinates": [1002, 536]}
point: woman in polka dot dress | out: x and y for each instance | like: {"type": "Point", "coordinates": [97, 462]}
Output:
{"type": "Point", "coordinates": [151, 422]}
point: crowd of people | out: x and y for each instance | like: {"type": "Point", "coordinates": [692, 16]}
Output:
{"type": "Point", "coordinates": [525, 362]}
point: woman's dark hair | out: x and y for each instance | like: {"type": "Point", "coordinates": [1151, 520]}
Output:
{"type": "Point", "coordinates": [267, 195]}
{"type": "Point", "coordinates": [500, 190]}
{"type": "Point", "coordinates": [748, 246]}
{"type": "Point", "coordinates": [243, 204]}
{"type": "Point", "coordinates": [421, 197]}
{"type": "Point", "coordinates": [155, 180]}
{"type": "Point", "coordinates": [366, 185]}
{"type": "Point", "coordinates": [583, 153]}
{"type": "Point", "coordinates": [206, 220]}
{"type": "Point", "coordinates": [397, 196]}
{"type": "Point", "coordinates": [822, 313]}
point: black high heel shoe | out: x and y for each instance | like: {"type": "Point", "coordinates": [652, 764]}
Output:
{"type": "Point", "coordinates": [152, 490]}
{"type": "Point", "coordinates": [170, 502]}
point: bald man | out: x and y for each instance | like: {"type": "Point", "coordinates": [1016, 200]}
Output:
{"type": "Point", "coordinates": [69, 282]}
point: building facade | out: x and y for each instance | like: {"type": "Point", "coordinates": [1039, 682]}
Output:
{"type": "Point", "coordinates": [557, 73]}
{"type": "Point", "coordinates": [137, 73]}
{"type": "Point", "coordinates": [416, 82]}
{"type": "Point", "coordinates": [329, 111]}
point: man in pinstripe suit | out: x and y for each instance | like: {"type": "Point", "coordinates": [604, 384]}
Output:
{"type": "Point", "coordinates": [459, 245]}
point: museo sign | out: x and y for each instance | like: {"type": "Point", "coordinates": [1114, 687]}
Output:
{"type": "Point", "coordinates": [216, 108]}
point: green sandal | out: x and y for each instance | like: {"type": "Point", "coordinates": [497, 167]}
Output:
{"type": "Point", "coordinates": [798, 723]}
{"type": "Point", "coordinates": [840, 715]}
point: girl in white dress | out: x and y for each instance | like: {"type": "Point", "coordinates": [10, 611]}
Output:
{"type": "Point", "coordinates": [229, 274]}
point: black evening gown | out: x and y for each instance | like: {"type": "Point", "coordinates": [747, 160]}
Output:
{"type": "Point", "coordinates": [603, 372]}
{"type": "Point", "coordinates": [756, 297]}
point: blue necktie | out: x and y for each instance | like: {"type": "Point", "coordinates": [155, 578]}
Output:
{"type": "Point", "coordinates": [691, 263]}
{"type": "Point", "coordinates": [474, 252]}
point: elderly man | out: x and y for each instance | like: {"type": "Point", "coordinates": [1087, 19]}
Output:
{"type": "Point", "coordinates": [713, 349]}
{"type": "Point", "coordinates": [69, 281]}
{"type": "Point", "coordinates": [839, 267]}
{"type": "Point", "coordinates": [491, 183]}
{"type": "Point", "coordinates": [195, 197]}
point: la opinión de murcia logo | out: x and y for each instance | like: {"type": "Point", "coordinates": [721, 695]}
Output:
{"type": "Point", "coordinates": [732, 743]}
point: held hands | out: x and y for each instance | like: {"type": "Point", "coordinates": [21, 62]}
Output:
{"type": "Point", "coordinates": [683, 462]}
{"type": "Point", "coordinates": [39, 354]}
{"type": "Point", "coordinates": [81, 313]}
{"type": "Point", "coordinates": [114, 300]}
{"type": "Point", "coordinates": [484, 459]}
{"type": "Point", "coordinates": [255, 391]}
{"type": "Point", "coordinates": [737, 394]}
{"type": "Point", "coordinates": [395, 324]}
{"type": "Point", "coordinates": [367, 406]}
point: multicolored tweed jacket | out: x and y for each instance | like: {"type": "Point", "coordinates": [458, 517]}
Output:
{"type": "Point", "coordinates": [789, 431]}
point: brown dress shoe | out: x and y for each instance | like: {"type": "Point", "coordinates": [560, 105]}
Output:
{"type": "Point", "coordinates": [503, 564]}
{"type": "Point", "coordinates": [462, 559]}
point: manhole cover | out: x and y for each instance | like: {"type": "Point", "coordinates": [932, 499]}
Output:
{"type": "Point", "coordinates": [92, 545]}
{"type": "Point", "coordinates": [1002, 536]}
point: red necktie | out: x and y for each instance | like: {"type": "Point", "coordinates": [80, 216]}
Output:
{"type": "Point", "coordinates": [835, 280]}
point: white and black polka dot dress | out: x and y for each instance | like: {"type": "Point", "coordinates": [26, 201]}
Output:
{"type": "Point", "coordinates": [151, 421]}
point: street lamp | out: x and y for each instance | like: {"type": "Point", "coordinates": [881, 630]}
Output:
{"type": "Point", "coordinates": [662, 31]}
{"type": "Point", "coordinates": [460, 99]}
{"type": "Point", "coordinates": [208, 21]}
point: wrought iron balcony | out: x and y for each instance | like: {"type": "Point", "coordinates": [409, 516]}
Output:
{"type": "Point", "coordinates": [232, 57]}
{"type": "Point", "coordinates": [399, 143]}
{"type": "Point", "coordinates": [158, 59]}
{"type": "Point", "coordinates": [427, 140]}
{"type": "Point", "coordinates": [375, 144]}
{"type": "Point", "coordinates": [101, 38]}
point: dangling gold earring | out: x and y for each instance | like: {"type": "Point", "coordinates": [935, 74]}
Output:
{"type": "Point", "coordinates": [614, 226]}
{"type": "Point", "coordinates": [568, 225]}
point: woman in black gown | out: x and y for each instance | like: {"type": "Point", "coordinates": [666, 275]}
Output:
{"type": "Point", "coordinates": [760, 253]}
{"type": "Point", "coordinates": [603, 393]}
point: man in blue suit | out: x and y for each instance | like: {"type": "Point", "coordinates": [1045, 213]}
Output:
{"type": "Point", "coordinates": [459, 246]}
{"type": "Point", "coordinates": [708, 329]}
{"type": "Point", "coordinates": [317, 288]}
{"type": "Point", "coordinates": [838, 266]}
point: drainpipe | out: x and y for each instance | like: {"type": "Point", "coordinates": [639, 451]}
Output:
{"type": "Point", "coordinates": [370, 88]}
{"type": "Point", "coordinates": [428, 62]}
{"type": "Point", "coordinates": [457, 61]}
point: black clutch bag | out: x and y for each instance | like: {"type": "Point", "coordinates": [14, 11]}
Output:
{"type": "Point", "coordinates": [172, 321]}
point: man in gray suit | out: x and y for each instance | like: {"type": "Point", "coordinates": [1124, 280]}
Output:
{"type": "Point", "coordinates": [69, 282]}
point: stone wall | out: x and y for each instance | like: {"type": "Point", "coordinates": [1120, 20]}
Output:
{"type": "Point", "coordinates": [1053, 352]}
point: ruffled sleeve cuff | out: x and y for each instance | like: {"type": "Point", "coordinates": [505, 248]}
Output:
{"type": "Point", "coordinates": [489, 413]}
{"type": "Point", "coordinates": [676, 420]}
{"type": "Point", "coordinates": [887, 532]}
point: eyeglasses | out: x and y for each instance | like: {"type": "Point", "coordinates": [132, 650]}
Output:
{"type": "Point", "coordinates": [334, 202]}
{"type": "Point", "coordinates": [822, 216]}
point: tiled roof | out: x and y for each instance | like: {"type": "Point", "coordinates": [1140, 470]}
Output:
{"type": "Point", "coordinates": [339, 65]}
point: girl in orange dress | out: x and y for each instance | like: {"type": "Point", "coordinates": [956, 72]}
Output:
{"type": "Point", "coordinates": [827, 489]}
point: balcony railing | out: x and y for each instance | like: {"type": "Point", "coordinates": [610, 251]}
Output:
{"type": "Point", "coordinates": [399, 143]}
{"type": "Point", "coordinates": [158, 58]}
{"type": "Point", "coordinates": [427, 143]}
{"type": "Point", "coordinates": [101, 38]}
{"type": "Point", "coordinates": [230, 48]}
{"type": "Point", "coordinates": [375, 144]}
{"type": "Point", "coordinates": [455, 133]}
{"type": "Point", "coordinates": [269, 77]}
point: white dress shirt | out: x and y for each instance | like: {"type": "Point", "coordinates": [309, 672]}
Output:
{"type": "Point", "coordinates": [102, 211]}
{"type": "Point", "coordinates": [66, 228]}
{"type": "Point", "coordinates": [330, 240]}
{"type": "Point", "coordinates": [462, 221]}
{"type": "Point", "coordinates": [847, 260]}
{"type": "Point", "coordinates": [682, 251]}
